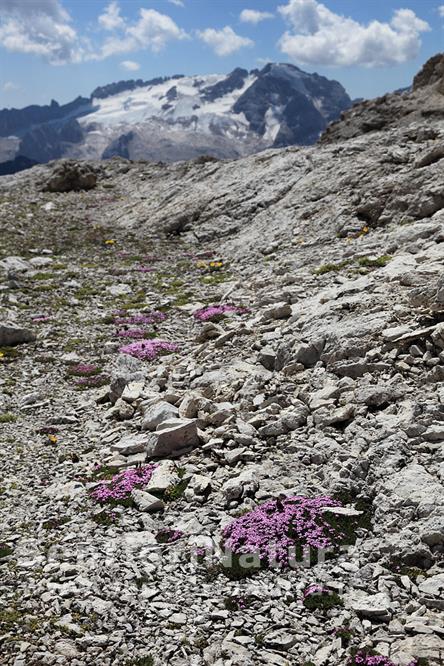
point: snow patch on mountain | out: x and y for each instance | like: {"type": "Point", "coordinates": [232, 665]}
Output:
{"type": "Point", "coordinates": [182, 117]}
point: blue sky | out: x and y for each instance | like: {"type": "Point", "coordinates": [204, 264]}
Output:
{"type": "Point", "coordinates": [63, 48]}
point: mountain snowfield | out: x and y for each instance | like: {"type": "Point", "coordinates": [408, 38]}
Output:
{"type": "Point", "coordinates": [180, 117]}
{"type": "Point", "coordinates": [176, 113]}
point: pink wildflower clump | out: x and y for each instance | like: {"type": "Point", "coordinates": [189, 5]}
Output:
{"type": "Point", "coordinates": [315, 589]}
{"type": "Point", "coordinates": [40, 319]}
{"type": "Point", "coordinates": [120, 486]}
{"type": "Point", "coordinates": [83, 370]}
{"type": "Point", "coordinates": [148, 350]}
{"type": "Point", "coordinates": [363, 658]}
{"type": "Point", "coordinates": [153, 317]}
{"type": "Point", "coordinates": [167, 535]}
{"type": "Point", "coordinates": [213, 312]}
{"type": "Point", "coordinates": [92, 381]}
{"type": "Point", "coordinates": [279, 529]}
{"type": "Point", "coordinates": [134, 333]}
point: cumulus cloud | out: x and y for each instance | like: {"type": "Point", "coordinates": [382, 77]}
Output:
{"type": "Point", "coordinates": [254, 16]}
{"type": "Point", "coordinates": [130, 65]}
{"type": "Point", "coordinates": [224, 42]}
{"type": "Point", "coordinates": [441, 10]}
{"type": "Point", "coordinates": [10, 86]}
{"type": "Point", "coordinates": [44, 28]}
{"type": "Point", "coordinates": [178, 3]}
{"type": "Point", "coordinates": [111, 19]}
{"type": "Point", "coordinates": [41, 27]}
{"type": "Point", "coordinates": [151, 31]}
{"type": "Point", "coordinates": [318, 36]}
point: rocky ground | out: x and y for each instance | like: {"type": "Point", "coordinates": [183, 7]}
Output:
{"type": "Point", "coordinates": [327, 381]}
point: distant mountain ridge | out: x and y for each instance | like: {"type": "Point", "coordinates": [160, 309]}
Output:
{"type": "Point", "coordinates": [179, 117]}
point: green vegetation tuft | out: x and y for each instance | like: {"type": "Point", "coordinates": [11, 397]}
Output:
{"type": "Point", "coordinates": [141, 661]}
{"type": "Point", "coordinates": [379, 262]}
{"type": "Point", "coordinates": [8, 418]}
{"type": "Point", "coordinates": [328, 268]}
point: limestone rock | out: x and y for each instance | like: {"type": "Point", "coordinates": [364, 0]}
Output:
{"type": "Point", "coordinates": [11, 335]}
{"type": "Point", "coordinates": [147, 502]}
{"type": "Point", "coordinates": [158, 413]}
{"type": "Point", "coordinates": [69, 175]}
{"type": "Point", "coordinates": [172, 438]}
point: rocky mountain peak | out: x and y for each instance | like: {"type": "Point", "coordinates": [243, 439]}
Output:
{"type": "Point", "coordinates": [431, 74]}
{"type": "Point", "coordinates": [178, 117]}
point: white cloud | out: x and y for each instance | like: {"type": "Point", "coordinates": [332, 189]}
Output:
{"type": "Point", "coordinates": [111, 19]}
{"type": "Point", "coordinates": [254, 16]}
{"type": "Point", "coordinates": [441, 10]}
{"type": "Point", "coordinates": [152, 31]}
{"type": "Point", "coordinates": [224, 42]}
{"type": "Point", "coordinates": [130, 65]}
{"type": "Point", "coordinates": [178, 3]}
{"type": "Point", "coordinates": [40, 27]}
{"type": "Point", "coordinates": [44, 28]}
{"type": "Point", "coordinates": [318, 36]}
{"type": "Point", "coordinates": [9, 86]}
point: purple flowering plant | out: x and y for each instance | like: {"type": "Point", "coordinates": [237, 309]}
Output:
{"type": "Point", "coordinates": [40, 319]}
{"type": "Point", "coordinates": [315, 589]}
{"type": "Point", "coordinates": [118, 489]}
{"type": "Point", "coordinates": [84, 370]}
{"type": "Point", "coordinates": [152, 317]}
{"type": "Point", "coordinates": [318, 597]}
{"type": "Point", "coordinates": [370, 658]}
{"type": "Point", "coordinates": [148, 350]}
{"type": "Point", "coordinates": [93, 381]}
{"type": "Point", "coordinates": [168, 535]}
{"type": "Point", "coordinates": [282, 531]}
{"type": "Point", "coordinates": [217, 312]}
{"type": "Point", "coordinates": [134, 333]}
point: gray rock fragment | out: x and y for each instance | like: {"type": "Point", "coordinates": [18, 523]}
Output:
{"type": "Point", "coordinates": [12, 335]}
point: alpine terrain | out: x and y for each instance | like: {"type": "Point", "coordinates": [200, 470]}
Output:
{"type": "Point", "coordinates": [222, 386]}
{"type": "Point", "coordinates": [178, 118]}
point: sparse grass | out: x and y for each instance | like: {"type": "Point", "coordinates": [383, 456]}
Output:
{"type": "Point", "coordinates": [363, 262]}
{"type": "Point", "coordinates": [329, 268]}
{"type": "Point", "coordinates": [379, 262]}
{"type": "Point", "coordinates": [8, 418]}
{"type": "Point", "coordinates": [175, 492]}
{"type": "Point", "coordinates": [8, 354]}
{"type": "Point", "coordinates": [86, 292]}
{"type": "Point", "coordinates": [55, 523]}
{"type": "Point", "coordinates": [10, 618]}
{"type": "Point", "coordinates": [72, 344]}
{"type": "Point", "coordinates": [322, 601]}
{"type": "Point", "coordinates": [104, 518]}
{"type": "Point", "coordinates": [5, 550]}
{"type": "Point", "coordinates": [183, 299]}
{"type": "Point", "coordinates": [215, 278]}
{"type": "Point", "coordinates": [141, 661]}
{"type": "Point", "coordinates": [103, 473]}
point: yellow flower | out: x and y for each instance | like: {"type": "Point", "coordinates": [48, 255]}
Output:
{"type": "Point", "coordinates": [201, 264]}
{"type": "Point", "coordinates": [1, 354]}
{"type": "Point", "coordinates": [52, 439]}
{"type": "Point", "coordinates": [110, 241]}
